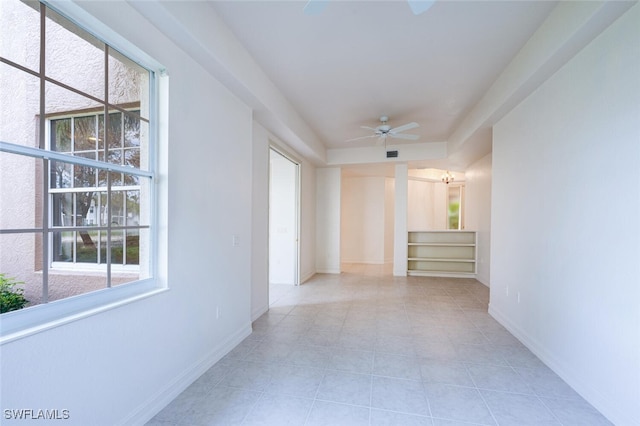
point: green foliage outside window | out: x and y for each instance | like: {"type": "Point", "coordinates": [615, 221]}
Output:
{"type": "Point", "coordinates": [11, 298]}
{"type": "Point", "coordinates": [454, 215]}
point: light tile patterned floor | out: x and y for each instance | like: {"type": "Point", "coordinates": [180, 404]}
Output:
{"type": "Point", "coordinates": [367, 348]}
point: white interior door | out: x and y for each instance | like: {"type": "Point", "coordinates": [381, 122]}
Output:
{"type": "Point", "coordinates": [283, 219]}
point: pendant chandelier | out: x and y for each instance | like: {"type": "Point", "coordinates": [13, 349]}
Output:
{"type": "Point", "coordinates": [447, 177]}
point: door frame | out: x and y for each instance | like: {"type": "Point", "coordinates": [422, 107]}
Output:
{"type": "Point", "coordinates": [287, 155]}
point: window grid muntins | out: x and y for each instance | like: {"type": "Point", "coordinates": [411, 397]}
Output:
{"type": "Point", "coordinates": [87, 197]}
{"type": "Point", "coordinates": [97, 216]}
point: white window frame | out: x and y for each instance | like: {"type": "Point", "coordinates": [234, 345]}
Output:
{"type": "Point", "coordinates": [21, 323]}
{"type": "Point", "coordinates": [461, 189]}
{"type": "Point", "coordinates": [58, 266]}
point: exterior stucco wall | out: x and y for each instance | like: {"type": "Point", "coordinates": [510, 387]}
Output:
{"type": "Point", "coordinates": [77, 63]}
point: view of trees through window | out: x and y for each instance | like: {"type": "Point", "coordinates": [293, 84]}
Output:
{"type": "Point", "coordinates": [83, 135]}
{"type": "Point", "coordinates": [75, 157]}
{"type": "Point", "coordinates": [454, 202]}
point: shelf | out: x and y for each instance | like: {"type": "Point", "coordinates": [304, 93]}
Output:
{"type": "Point", "coordinates": [442, 244]}
{"type": "Point", "coordinates": [440, 259]}
{"type": "Point", "coordinates": [442, 253]}
{"type": "Point", "coordinates": [419, 273]}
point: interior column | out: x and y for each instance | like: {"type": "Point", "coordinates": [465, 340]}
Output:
{"type": "Point", "coordinates": [400, 222]}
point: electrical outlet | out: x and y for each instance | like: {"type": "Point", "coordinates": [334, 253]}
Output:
{"type": "Point", "coordinates": [518, 297]}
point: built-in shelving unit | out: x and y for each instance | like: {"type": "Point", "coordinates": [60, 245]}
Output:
{"type": "Point", "coordinates": [442, 253]}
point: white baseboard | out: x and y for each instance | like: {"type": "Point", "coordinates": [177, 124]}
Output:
{"type": "Point", "coordinates": [365, 262]}
{"type": "Point", "coordinates": [171, 390]}
{"type": "Point", "coordinates": [307, 277]}
{"type": "Point", "coordinates": [328, 271]}
{"type": "Point", "coordinates": [400, 272]}
{"type": "Point", "coordinates": [483, 279]}
{"type": "Point", "coordinates": [596, 398]}
{"type": "Point", "coordinates": [257, 313]}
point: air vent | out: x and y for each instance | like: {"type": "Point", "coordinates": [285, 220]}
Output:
{"type": "Point", "coordinates": [392, 154]}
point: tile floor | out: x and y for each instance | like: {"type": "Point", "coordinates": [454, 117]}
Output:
{"type": "Point", "coordinates": [367, 348]}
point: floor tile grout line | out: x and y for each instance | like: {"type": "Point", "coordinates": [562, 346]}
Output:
{"type": "Point", "coordinates": [486, 404]}
{"type": "Point", "coordinates": [370, 396]}
{"type": "Point", "coordinates": [244, 419]}
{"type": "Point", "coordinates": [385, 300]}
{"type": "Point", "coordinates": [426, 397]}
{"type": "Point", "coordinates": [549, 409]}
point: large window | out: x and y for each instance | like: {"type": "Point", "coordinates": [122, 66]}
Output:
{"type": "Point", "coordinates": [455, 197]}
{"type": "Point", "coordinates": [77, 137]}
{"type": "Point", "coordinates": [80, 194]}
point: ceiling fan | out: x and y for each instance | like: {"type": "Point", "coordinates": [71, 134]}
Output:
{"type": "Point", "coordinates": [315, 7]}
{"type": "Point", "coordinates": [383, 131]}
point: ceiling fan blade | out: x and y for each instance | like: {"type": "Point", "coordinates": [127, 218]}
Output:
{"type": "Point", "coordinates": [315, 7]}
{"type": "Point", "coordinates": [404, 136]}
{"type": "Point", "coordinates": [362, 137]}
{"type": "Point", "coordinates": [420, 6]}
{"type": "Point", "coordinates": [403, 128]}
{"type": "Point", "coordinates": [381, 140]}
{"type": "Point", "coordinates": [369, 128]}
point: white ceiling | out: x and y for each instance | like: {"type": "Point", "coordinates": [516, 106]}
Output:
{"type": "Point", "coordinates": [312, 81]}
{"type": "Point", "coordinates": [357, 60]}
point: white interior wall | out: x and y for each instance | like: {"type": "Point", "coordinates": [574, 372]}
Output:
{"type": "Point", "coordinates": [168, 340]}
{"type": "Point", "coordinates": [260, 218]}
{"type": "Point", "coordinates": [427, 203]}
{"type": "Point", "coordinates": [477, 211]}
{"type": "Point", "coordinates": [307, 221]}
{"type": "Point", "coordinates": [564, 221]}
{"type": "Point", "coordinates": [389, 218]}
{"type": "Point", "coordinates": [400, 235]}
{"type": "Point", "coordinates": [420, 194]}
{"type": "Point", "coordinates": [259, 221]}
{"type": "Point", "coordinates": [328, 190]}
{"type": "Point", "coordinates": [368, 215]}
{"type": "Point", "coordinates": [440, 206]}
{"type": "Point", "coordinates": [363, 220]}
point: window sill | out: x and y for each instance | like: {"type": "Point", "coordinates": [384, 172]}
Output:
{"type": "Point", "coordinates": [29, 321]}
{"type": "Point", "coordinates": [70, 269]}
